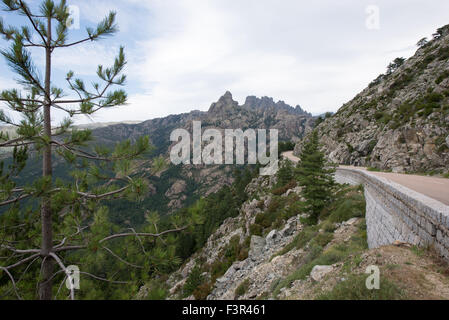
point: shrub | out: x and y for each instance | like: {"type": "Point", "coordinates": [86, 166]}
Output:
{"type": "Point", "coordinates": [256, 230]}
{"type": "Point", "coordinates": [194, 280]}
{"type": "Point", "coordinates": [242, 288]}
{"type": "Point", "coordinates": [441, 145]}
{"type": "Point", "coordinates": [442, 76]}
{"type": "Point", "coordinates": [322, 239]}
{"type": "Point", "coordinates": [202, 291]}
{"type": "Point", "coordinates": [443, 53]}
{"type": "Point", "coordinates": [371, 146]}
{"type": "Point", "coordinates": [157, 291]}
{"type": "Point", "coordinates": [354, 288]}
{"type": "Point", "coordinates": [281, 190]}
{"type": "Point", "coordinates": [227, 256]}
{"type": "Point", "coordinates": [351, 207]}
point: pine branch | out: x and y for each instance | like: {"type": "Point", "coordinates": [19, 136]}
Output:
{"type": "Point", "coordinates": [19, 263]}
{"type": "Point", "coordinates": [15, 200]}
{"type": "Point", "coordinates": [120, 259]}
{"type": "Point", "coordinates": [30, 18]}
{"type": "Point", "coordinates": [68, 274]}
{"type": "Point", "coordinates": [155, 235]}
{"type": "Point", "coordinates": [13, 282]}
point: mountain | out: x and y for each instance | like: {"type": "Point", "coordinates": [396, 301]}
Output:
{"type": "Point", "coordinates": [179, 186]}
{"type": "Point", "coordinates": [256, 113]}
{"type": "Point", "coordinates": [401, 121]}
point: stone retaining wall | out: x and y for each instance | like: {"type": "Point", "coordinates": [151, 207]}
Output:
{"type": "Point", "coordinates": [396, 213]}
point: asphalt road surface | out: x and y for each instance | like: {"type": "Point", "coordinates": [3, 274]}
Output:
{"type": "Point", "coordinates": [435, 188]}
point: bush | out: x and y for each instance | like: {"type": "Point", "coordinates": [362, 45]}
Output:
{"type": "Point", "coordinates": [322, 239]}
{"type": "Point", "coordinates": [354, 288]}
{"type": "Point", "coordinates": [202, 291]}
{"type": "Point", "coordinates": [256, 230]}
{"type": "Point", "coordinates": [442, 76]}
{"type": "Point", "coordinates": [157, 291]}
{"type": "Point", "coordinates": [281, 190]}
{"type": "Point", "coordinates": [242, 288]}
{"type": "Point", "coordinates": [234, 251]}
{"type": "Point", "coordinates": [194, 280]}
{"type": "Point", "coordinates": [371, 146]}
{"type": "Point", "coordinates": [352, 207]}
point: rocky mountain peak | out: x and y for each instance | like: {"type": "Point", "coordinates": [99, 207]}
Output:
{"type": "Point", "coordinates": [267, 103]}
{"type": "Point", "coordinates": [225, 103]}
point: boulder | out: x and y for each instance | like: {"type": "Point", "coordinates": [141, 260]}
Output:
{"type": "Point", "coordinates": [319, 272]}
{"type": "Point", "coordinates": [351, 221]}
{"type": "Point", "coordinates": [272, 237]}
{"type": "Point", "coordinates": [289, 229]}
{"type": "Point", "coordinates": [257, 246]}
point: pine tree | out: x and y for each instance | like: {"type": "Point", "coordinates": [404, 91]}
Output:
{"type": "Point", "coordinates": [285, 173]}
{"type": "Point", "coordinates": [48, 219]}
{"type": "Point", "coordinates": [316, 178]}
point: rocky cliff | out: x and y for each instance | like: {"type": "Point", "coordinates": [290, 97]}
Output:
{"type": "Point", "coordinates": [401, 121]}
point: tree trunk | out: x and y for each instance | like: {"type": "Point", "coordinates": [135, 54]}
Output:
{"type": "Point", "coordinates": [45, 287]}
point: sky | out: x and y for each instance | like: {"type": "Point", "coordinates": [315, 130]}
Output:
{"type": "Point", "coordinates": [184, 54]}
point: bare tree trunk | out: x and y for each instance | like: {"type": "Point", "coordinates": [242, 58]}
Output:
{"type": "Point", "coordinates": [45, 287]}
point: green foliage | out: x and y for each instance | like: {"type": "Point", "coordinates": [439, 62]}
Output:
{"type": "Point", "coordinates": [316, 256]}
{"type": "Point", "coordinates": [318, 121]}
{"type": "Point", "coordinates": [80, 179]}
{"type": "Point", "coordinates": [202, 291]}
{"type": "Point", "coordinates": [402, 81]}
{"type": "Point", "coordinates": [393, 66]}
{"type": "Point", "coordinates": [256, 230]}
{"type": "Point", "coordinates": [234, 251]}
{"type": "Point", "coordinates": [194, 280]}
{"type": "Point", "coordinates": [156, 291]}
{"type": "Point", "coordinates": [281, 190]}
{"type": "Point", "coordinates": [285, 146]}
{"type": "Point", "coordinates": [317, 180]}
{"type": "Point", "coordinates": [372, 144]}
{"type": "Point", "coordinates": [444, 75]}
{"type": "Point", "coordinates": [242, 288]}
{"type": "Point", "coordinates": [285, 173]}
{"type": "Point", "coordinates": [354, 288]}
{"type": "Point", "coordinates": [422, 43]}
{"type": "Point", "coordinates": [350, 203]}
{"type": "Point", "coordinates": [441, 145]}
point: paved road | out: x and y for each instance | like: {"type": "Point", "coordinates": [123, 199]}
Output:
{"type": "Point", "coordinates": [435, 188]}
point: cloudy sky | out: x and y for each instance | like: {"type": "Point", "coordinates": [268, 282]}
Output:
{"type": "Point", "coordinates": [184, 54]}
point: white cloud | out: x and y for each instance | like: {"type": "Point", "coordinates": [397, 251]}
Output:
{"type": "Point", "coordinates": [316, 54]}
{"type": "Point", "coordinates": [184, 54]}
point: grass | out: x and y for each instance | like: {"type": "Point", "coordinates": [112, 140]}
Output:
{"type": "Point", "coordinates": [354, 288]}
{"type": "Point", "coordinates": [349, 203]}
{"type": "Point", "coordinates": [242, 288]}
{"type": "Point", "coordinates": [372, 169]}
{"type": "Point", "coordinates": [442, 76]}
